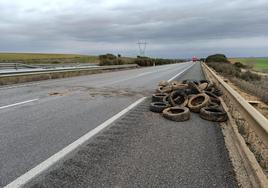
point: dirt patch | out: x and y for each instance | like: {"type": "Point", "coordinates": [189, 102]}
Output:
{"type": "Point", "coordinates": [104, 92]}
{"type": "Point", "coordinates": [113, 92]}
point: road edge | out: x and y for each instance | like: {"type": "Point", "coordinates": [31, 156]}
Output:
{"type": "Point", "coordinates": [248, 171]}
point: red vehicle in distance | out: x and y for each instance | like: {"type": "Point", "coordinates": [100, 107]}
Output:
{"type": "Point", "coordinates": [194, 59]}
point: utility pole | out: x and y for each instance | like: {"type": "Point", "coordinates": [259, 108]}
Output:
{"type": "Point", "coordinates": [142, 47]}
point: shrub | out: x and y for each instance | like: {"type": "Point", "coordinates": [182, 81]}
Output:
{"type": "Point", "coordinates": [55, 62]}
{"type": "Point", "coordinates": [219, 58]}
{"type": "Point", "coordinates": [225, 68]}
{"type": "Point", "coordinates": [144, 61]}
{"type": "Point", "coordinates": [240, 65]}
{"type": "Point", "coordinates": [202, 59]}
{"type": "Point", "coordinates": [110, 59]}
{"type": "Point", "coordinates": [249, 76]}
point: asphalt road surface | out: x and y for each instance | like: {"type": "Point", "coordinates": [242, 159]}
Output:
{"type": "Point", "coordinates": [39, 119]}
{"type": "Point", "coordinates": [143, 149]}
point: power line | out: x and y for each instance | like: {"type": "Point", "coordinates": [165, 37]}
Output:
{"type": "Point", "coordinates": [142, 47]}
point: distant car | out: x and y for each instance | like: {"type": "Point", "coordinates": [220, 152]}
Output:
{"type": "Point", "coordinates": [194, 59]}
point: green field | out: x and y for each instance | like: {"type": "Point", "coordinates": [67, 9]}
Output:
{"type": "Point", "coordinates": [39, 58]}
{"type": "Point", "coordinates": [260, 64]}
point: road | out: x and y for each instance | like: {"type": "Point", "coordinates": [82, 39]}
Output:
{"type": "Point", "coordinates": [39, 119]}
{"type": "Point", "coordinates": [143, 149]}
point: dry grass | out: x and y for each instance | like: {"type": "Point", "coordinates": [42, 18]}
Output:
{"type": "Point", "coordinates": [257, 88]}
{"type": "Point", "coordinates": [249, 82]}
{"type": "Point", "coordinates": [39, 58]}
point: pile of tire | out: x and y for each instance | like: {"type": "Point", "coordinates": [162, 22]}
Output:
{"type": "Point", "coordinates": [176, 99]}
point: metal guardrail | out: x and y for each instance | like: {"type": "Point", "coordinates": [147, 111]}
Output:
{"type": "Point", "coordinates": [252, 124]}
{"type": "Point", "coordinates": [16, 66]}
{"type": "Point", "coordinates": [45, 71]}
{"type": "Point", "coordinates": [22, 77]}
{"type": "Point", "coordinates": [51, 66]}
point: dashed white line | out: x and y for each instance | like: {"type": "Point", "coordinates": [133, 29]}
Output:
{"type": "Point", "coordinates": [17, 104]}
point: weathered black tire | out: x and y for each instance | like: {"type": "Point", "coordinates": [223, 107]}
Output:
{"type": "Point", "coordinates": [158, 97]}
{"type": "Point", "coordinates": [194, 88]}
{"type": "Point", "coordinates": [190, 96]}
{"type": "Point", "coordinates": [158, 107]}
{"type": "Point", "coordinates": [218, 92]}
{"type": "Point", "coordinates": [166, 89]}
{"type": "Point", "coordinates": [214, 105]}
{"type": "Point", "coordinates": [179, 86]}
{"type": "Point", "coordinates": [204, 81]}
{"type": "Point", "coordinates": [213, 114]}
{"type": "Point", "coordinates": [213, 98]}
{"type": "Point", "coordinates": [163, 83]}
{"type": "Point", "coordinates": [165, 99]}
{"type": "Point", "coordinates": [197, 102]}
{"type": "Point", "coordinates": [188, 91]}
{"type": "Point", "coordinates": [203, 86]}
{"type": "Point", "coordinates": [210, 89]}
{"type": "Point", "coordinates": [177, 113]}
{"type": "Point", "coordinates": [178, 98]}
{"type": "Point", "coordinates": [190, 81]}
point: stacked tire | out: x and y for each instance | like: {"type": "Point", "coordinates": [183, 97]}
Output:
{"type": "Point", "coordinates": [175, 100]}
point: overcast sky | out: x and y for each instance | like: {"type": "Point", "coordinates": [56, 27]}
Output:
{"type": "Point", "coordinates": [172, 28]}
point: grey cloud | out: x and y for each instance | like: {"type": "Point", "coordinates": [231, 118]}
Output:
{"type": "Point", "coordinates": [172, 28]}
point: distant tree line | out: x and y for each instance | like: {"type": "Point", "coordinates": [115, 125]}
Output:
{"type": "Point", "coordinates": [110, 59]}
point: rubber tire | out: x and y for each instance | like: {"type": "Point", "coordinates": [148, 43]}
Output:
{"type": "Point", "coordinates": [190, 81]}
{"type": "Point", "coordinates": [165, 99]}
{"type": "Point", "coordinates": [158, 97]}
{"type": "Point", "coordinates": [210, 89]}
{"type": "Point", "coordinates": [179, 86]}
{"type": "Point", "coordinates": [204, 81]}
{"type": "Point", "coordinates": [203, 86]}
{"type": "Point", "coordinates": [174, 82]}
{"type": "Point", "coordinates": [218, 92]}
{"type": "Point", "coordinates": [194, 88]}
{"type": "Point", "coordinates": [182, 115]}
{"type": "Point", "coordinates": [176, 94]}
{"type": "Point", "coordinates": [213, 114]}
{"type": "Point", "coordinates": [158, 107]}
{"type": "Point", "coordinates": [213, 98]}
{"type": "Point", "coordinates": [166, 89]}
{"type": "Point", "coordinates": [214, 105]}
{"type": "Point", "coordinates": [163, 83]}
{"type": "Point", "coordinates": [204, 103]}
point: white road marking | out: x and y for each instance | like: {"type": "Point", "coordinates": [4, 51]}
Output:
{"type": "Point", "coordinates": [180, 73]}
{"type": "Point", "coordinates": [140, 75]}
{"type": "Point", "coordinates": [25, 178]}
{"type": "Point", "coordinates": [17, 104]}
{"type": "Point", "coordinates": [34, 172]}
{"type": "Point", "coordinates": [129, 78]}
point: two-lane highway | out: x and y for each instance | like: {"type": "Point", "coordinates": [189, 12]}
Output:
{"type": "Point", "coordinates": [39, 119]}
